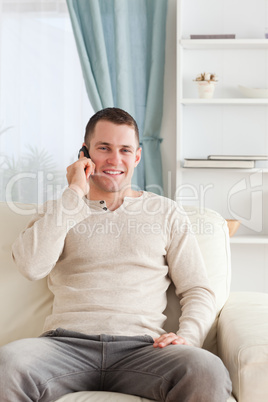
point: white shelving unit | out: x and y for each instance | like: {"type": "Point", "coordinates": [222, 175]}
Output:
{"type": "Point", "coordinates": [240, 124]}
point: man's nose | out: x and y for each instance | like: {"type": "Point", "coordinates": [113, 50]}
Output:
{"type": "Point", "coordinates": [114, 158]}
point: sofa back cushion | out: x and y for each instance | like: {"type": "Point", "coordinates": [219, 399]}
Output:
{"type": "Point", "coordinates": [24, 304]}
{"type": "Point", "coordinates": [213, 238]}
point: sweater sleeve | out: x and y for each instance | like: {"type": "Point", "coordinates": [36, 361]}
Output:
{"type": "Point", "coordinates": [39, 246]}
{"type": "Point", "coordinates": [188, 273]}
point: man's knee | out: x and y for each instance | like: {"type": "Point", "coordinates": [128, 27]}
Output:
{"type": "Point", "coordinates": [15, 357]}
{"type": "Point", "coordinates": [208, 365]}
{"type": "Point", "coordinates": [208, 375]}
{"type": "Point", "coordinates": [18, 370]}
{"type": "Point", "coordinates": [9, 356]}
{"type": "Point", "coordinates": [20, 358]}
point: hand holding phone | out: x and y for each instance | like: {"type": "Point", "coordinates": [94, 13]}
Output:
{"type": "Point", "coordinates": [79, 172]}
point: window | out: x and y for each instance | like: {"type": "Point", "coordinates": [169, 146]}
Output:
{"type": "Point", "coordinates": [44, 107]}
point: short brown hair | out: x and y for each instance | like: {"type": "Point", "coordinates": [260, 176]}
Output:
{"type": "Point", "coordinates": [114, 115]}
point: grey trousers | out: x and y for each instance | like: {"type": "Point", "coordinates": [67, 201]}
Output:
{"type": "Point", "coordinates": [59, 362]}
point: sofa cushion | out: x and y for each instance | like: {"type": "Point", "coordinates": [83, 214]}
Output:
{"type": "Point", "coordinates": [99, 396]}
{"type": "Point", "coordinates": [243, 344]}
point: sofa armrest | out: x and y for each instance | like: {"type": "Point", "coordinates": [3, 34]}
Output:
{"type": "Point", "coordinates": [242, 337]}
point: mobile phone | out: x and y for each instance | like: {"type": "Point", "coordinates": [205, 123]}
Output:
{"type": "Point", "coordinates": [85, 150]}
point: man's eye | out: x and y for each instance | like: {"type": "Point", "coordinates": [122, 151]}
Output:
{"type": "Point", "coordinates": [126, 150]}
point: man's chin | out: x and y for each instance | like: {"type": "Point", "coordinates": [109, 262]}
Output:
{"type": "Point", "coordinates": [107, 184]}
{"type": "Point", "coordinates": [110, 184]}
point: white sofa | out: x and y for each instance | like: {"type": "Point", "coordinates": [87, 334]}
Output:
{"type": "Point", "coordinates": [239, 335]}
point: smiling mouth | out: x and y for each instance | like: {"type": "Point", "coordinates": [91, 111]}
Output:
{"type": "Point", "coordinates": [113, 172]}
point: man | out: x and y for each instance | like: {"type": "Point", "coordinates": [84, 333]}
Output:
{"type": "Point", "coordinates": [110, 252]}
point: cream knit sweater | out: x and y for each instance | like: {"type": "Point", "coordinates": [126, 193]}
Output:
{"type": "Point", "coordinates": [109, 270]}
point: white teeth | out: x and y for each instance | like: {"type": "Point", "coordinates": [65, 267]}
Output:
{"type": "Point", "coordinates": [112, 172]}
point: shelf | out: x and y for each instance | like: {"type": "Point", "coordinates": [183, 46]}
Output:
{"type": "Point", "coordinates": [243, 239]}
{"type": "Point", "coordinates": [224, 101]}
{"type": "Point", "coordinates": [203, 44]}
{"type": "Point", "coordinates": [238, 170]}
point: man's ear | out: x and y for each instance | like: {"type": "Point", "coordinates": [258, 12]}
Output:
{"type": "Point", "coordinates": [138, 156]}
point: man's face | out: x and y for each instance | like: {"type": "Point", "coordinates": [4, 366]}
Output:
{"type": "Point", "coordinates": [113, 149]}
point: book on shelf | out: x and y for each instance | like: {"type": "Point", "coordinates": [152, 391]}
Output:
{"type": "Point", "coordinates": [239, 157]}
{"type": "Point", "coordinates": [223, 36]}
{"type": "Point", "coordinates": [225, 164]}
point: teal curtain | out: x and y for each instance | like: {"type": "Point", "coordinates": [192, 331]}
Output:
{"type": "Point", "coordinates": [121, 45]}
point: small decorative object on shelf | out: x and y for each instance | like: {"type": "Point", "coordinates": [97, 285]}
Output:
{"type": "Point", "coordinates": [233, 225]}
{"type": "Point", "coordinates": [206, 85]}
{"type": "Point", "coordinates": [253, 92]}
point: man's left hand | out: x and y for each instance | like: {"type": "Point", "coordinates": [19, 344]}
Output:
{"type": "Point", "coordinates": [169, 339]}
